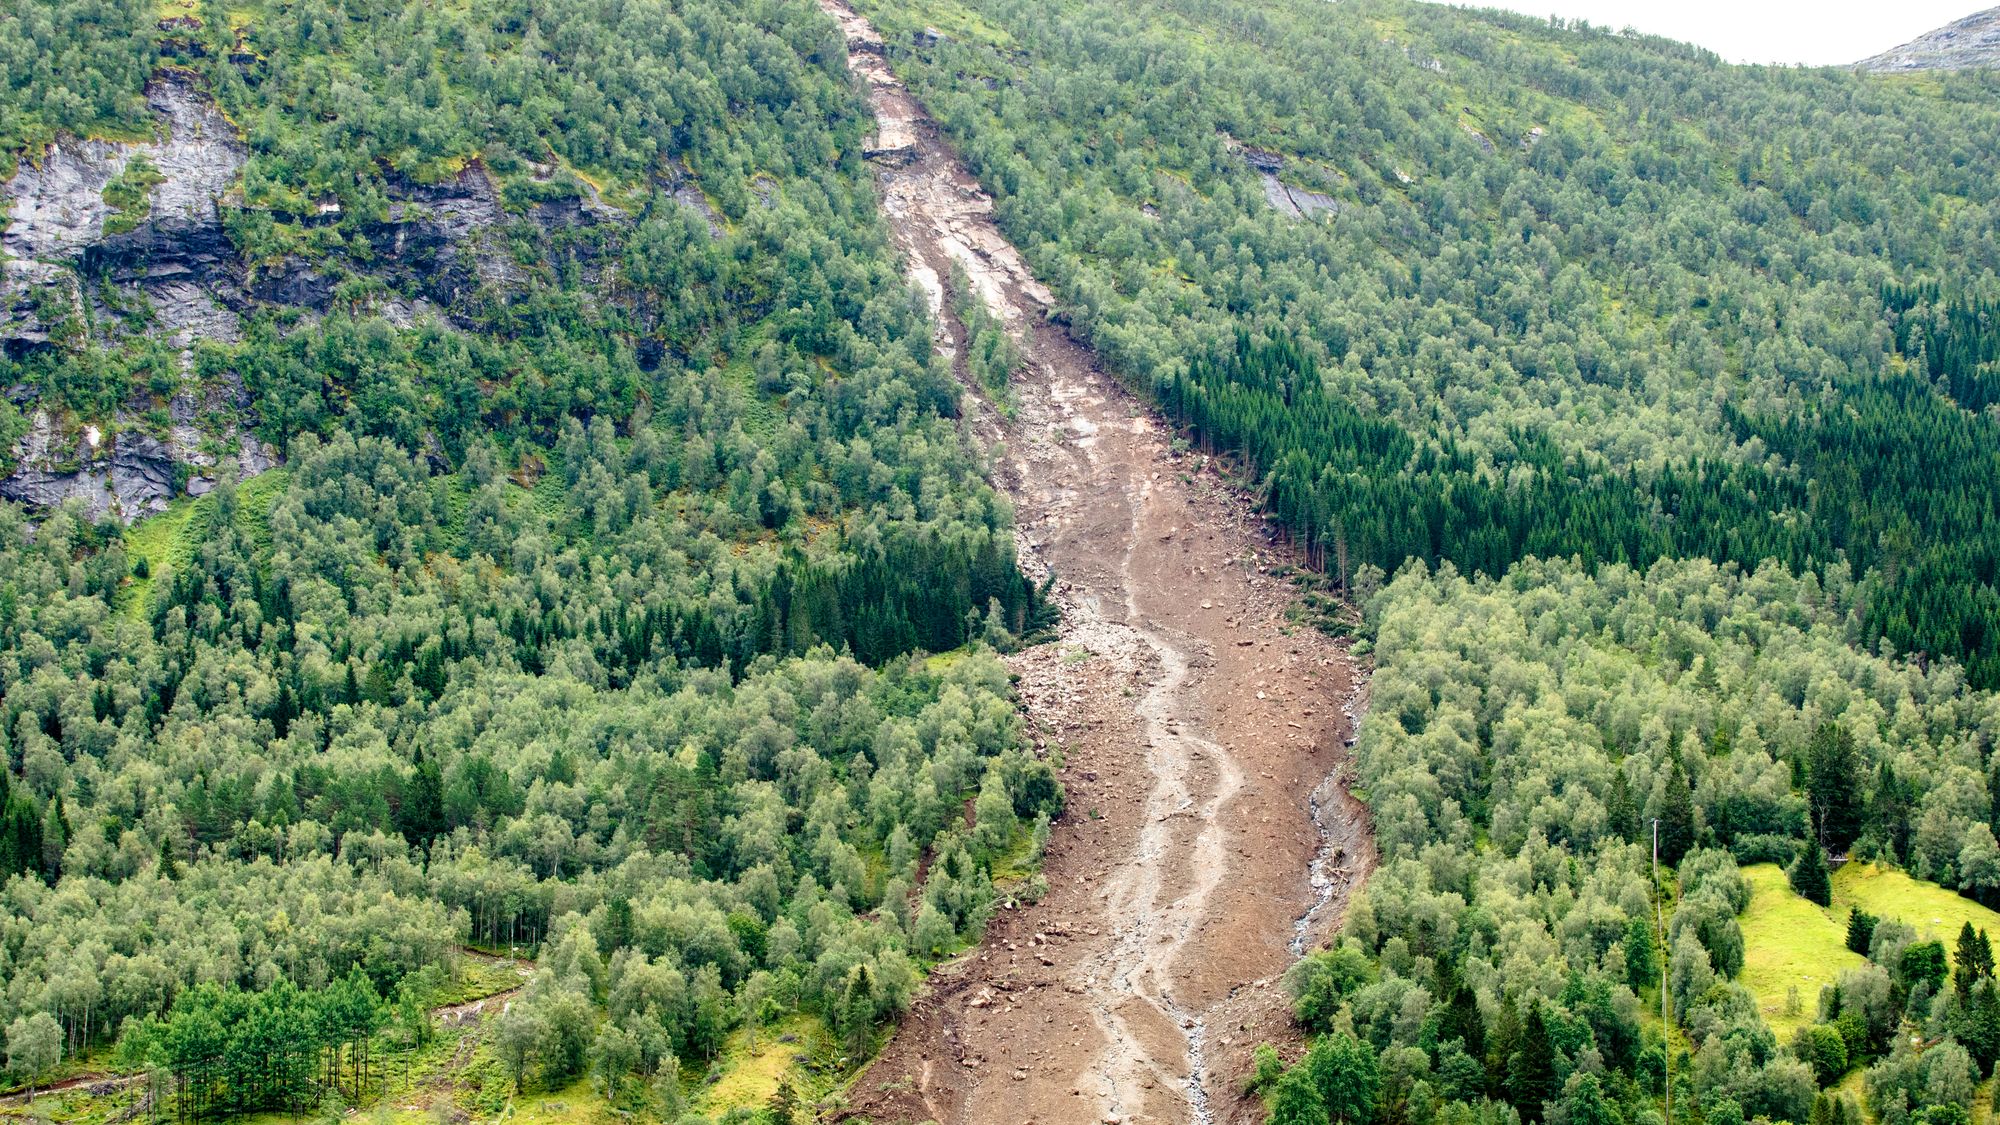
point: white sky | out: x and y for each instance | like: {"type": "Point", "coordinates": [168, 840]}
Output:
{"type": "Point", "coordinates": [1814, 32]}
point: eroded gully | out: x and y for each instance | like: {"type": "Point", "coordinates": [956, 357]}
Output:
{"type": "Point", "coordinates": [1201, 731]}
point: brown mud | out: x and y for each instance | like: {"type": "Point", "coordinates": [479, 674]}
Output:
{"type": "Point", "coordinates": [1208, 834]}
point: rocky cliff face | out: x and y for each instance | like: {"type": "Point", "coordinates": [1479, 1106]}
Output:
{"type": "Point", "coordinates": [168, 272]}
{"type": "Point", "coordinates": [57, 208]}
{"type": "Point", "coordinates": [1971, 42]}
{"type": "Point", "coordinates": [76, 269]}
{"type": "Point", "coordinates": [57, 214]}
{"type": "Point", "coordinates": [1287, 199]}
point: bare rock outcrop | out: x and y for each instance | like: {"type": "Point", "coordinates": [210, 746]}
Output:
{"type": "Point", "coordinates": [1961, 45]}
{"type": "Point", "coordinates": [170, 261]}
{"type": "Point", "coordinates": [1287, 199]}
{"type": "Point", "coordinates": [56, 209]}
{"type": "Point", "coordinates": [35, 299]}
{"type": "Point", "coordinates": [1294, 201]}
{"type": "Point", "coordinates": [175, 262]}
{"type": "Point", "coordinates": [128, 475]}
{"type": "Point", "coordinates": [75, 268]}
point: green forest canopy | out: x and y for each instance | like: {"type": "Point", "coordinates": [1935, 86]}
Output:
{"type": "Point", "coordinates": [588, 615]}
{"type": "Point", "coordinates": [1582, 294]}
{"type": "Point", "coordinates": [584, 616]}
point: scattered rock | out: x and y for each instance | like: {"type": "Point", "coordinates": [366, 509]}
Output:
{"type": "Point", "coordinates": [1135, 717]}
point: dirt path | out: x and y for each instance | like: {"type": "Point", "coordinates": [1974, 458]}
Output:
{"type": "Point", "coordinates": [469, 1012]}
{"type": "Point", "coordinates": [1202, 734]}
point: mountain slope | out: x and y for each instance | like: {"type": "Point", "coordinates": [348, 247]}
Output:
{"type": "Point", "coordinates": [1646, 404]}
{"type": "Point", "coordinates": [1962, 44]}
{"type": "Point", "coordinates": [477, 474]}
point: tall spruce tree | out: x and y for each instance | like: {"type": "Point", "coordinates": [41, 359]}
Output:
{"type": "Point", "coordinates": [1860, 930]}
{"type": "Point", "coordinates": [1642, 954]}
{"type": "Point", "coordinates": [1972, 960]}
{"type": "Point", "coordinates": [1531, 1072]}
{"type": "Point", "coordinates": [1888, 814]}
{"type": "Point", "coordinates": [1461, 1019]}
{"type": "Point", "coordinates": [1833, 786]}
{"type": "Point", "coordinates": [1676, 816]}
{"type": "Point", "coordinates": [1975, 1023]}
{"type": "Point", "coordinates": [423, 809]}
{"type": "Point", "coordinates": [1809, 876]}
{"type": "Point", "coordinates": [1620, 811]}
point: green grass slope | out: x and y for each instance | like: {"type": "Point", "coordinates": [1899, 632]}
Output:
{"type": "Point", "coordinates": [1936, 912]}
{"type": "Point", "coordinates": [168, 541]}
{"type": "Point", "coordinates": [1789, 942]}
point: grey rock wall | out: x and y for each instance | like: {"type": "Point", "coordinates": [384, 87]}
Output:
{"type": "Point", "coordinates": [178, 264]}
{"type": "Point", "coordinates": [129, 474]}
{"type": "Point", "coordinates": [442, 250]}
{"type": "Point", "coordinates": [56, 209]}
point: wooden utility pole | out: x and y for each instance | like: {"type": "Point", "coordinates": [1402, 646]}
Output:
{"type": "Point", "coordinates": [1666, 963]}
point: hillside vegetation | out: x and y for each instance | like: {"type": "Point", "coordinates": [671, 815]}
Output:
{"type": "Point", "coordinates": [622, 500]}
{"type": "Point", "coordinates": [1932, 911]}
{"type": "Point", "coordinates": [1579, 294]}
{"type": "Point", "coordinates": [1645, 404]}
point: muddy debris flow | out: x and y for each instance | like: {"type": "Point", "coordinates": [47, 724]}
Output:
{"type": "Point", "coordinates": [1209, 833]}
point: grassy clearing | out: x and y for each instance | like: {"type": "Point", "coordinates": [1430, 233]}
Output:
{"type": "Point", "coordinates": [551, 494]}
{"type": "Point", "coordinates": [955, 19]}
{"type": "Point", "coordinates": [1934, 911]}
{"type": "Point", "coordinates": [751, 1067]}
{"type": "Point", "coordinates": [1021, 863]}
{"type": "Point", "coordinates": [254, 499]}
{"type": "Point", "coordinates": [760, 414]}
{"type": "Point", "coordinates": [455, 491]}
{"type": "Point", "coordinates": [153, 539]}
{"type": "Point", "coordinates": [169, 540]}
{"type": "Point", "coordinates": [1789, 943]}
{"type": "Point", "coordinates": [577, 1104]}
{"type": "Point", "coordinates": [478, 977]}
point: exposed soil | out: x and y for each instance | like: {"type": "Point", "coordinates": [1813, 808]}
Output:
{"type": "Point", "coordinates": [96, 1084]}
{"type": "Point", "coordinates": [1208, 834]}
